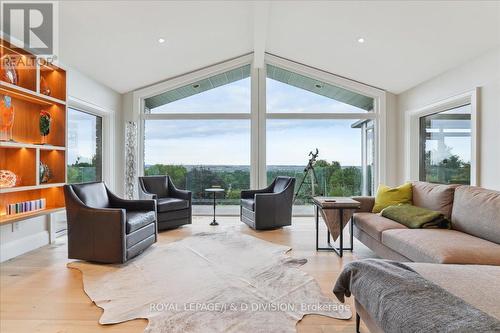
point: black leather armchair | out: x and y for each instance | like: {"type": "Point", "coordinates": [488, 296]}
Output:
{"type": "Point", "coordinates": [173, 205]}
{"type": "Point", "coordinates": [268, 208]}
{"type": "Point", "coordinates": [105, 228]}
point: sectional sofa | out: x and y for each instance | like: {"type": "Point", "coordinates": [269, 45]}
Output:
{"type": "Point", "coordinates": [473, 239]}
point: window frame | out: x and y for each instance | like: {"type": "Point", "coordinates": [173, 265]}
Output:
{"type": "Point", "coordinates": [107, 134]}
{"type": "Point", "coordinates": [413, 141]}
{"type": "Point", "coordinates": [378, 115]}
{"type": "Point", "coordinates": [258, 115]}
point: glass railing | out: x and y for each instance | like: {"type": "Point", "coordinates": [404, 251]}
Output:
{"type": "Point", "coordinates": [77, 174]}
{"type": "Point", "coordinates": [332, 180]}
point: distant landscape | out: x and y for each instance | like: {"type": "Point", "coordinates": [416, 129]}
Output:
{"type": "Point", "coordinates": [333, 179]}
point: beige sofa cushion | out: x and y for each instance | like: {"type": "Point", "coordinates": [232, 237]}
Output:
{"type": "Point", "coordinates": [374, 224]}
{"type": "Point", "coordinates": [442, 246]}
{"type": "Point", "coordinates": [436, 197]}
{"type": "Point", "coordinates": [476, 211]}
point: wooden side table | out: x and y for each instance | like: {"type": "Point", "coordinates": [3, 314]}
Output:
{"type": "Point", "coordinates": [336, 213]}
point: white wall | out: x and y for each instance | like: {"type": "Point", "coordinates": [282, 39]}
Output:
{"type": "Point", "coordinates": [392, 141]}
{"type": "Point", "coordinates": [83, 92]}
{"type": "Point", "coordinates": [482, 72]}
{"type": "Point", "coordinates": [27, 235]}
{"type": "Point", "coordinates": [86, 89]}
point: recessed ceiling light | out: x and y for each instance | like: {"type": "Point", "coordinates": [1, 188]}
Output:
{"type": "Point", "coordinates": [361, 40]}
{"type": "Point", "coordinates": [161, 40]}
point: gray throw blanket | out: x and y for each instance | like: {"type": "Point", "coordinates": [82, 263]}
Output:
{"type": "Point", "coordinates": [400, 300]}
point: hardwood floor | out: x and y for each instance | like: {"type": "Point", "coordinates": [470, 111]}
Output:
{"type": "Point", "coordinates": [39, 294]}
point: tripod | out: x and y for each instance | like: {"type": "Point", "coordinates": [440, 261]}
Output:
{"type": "Point", "coordinates": [309, 171]}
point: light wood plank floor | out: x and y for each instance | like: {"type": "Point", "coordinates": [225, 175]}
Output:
{"type": "Point", "coordinates": [39, 294]}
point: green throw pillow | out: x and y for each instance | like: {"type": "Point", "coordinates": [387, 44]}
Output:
{"type": "Point", "coordinates": [388, 196]}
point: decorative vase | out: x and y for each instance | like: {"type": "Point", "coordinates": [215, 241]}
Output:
{"type": "Point", "coordinates": [45, 173]}
{"type": "Point", "coordinates": [44, 87]}
{"type": "Point", "coordinates": [7, 178]}
{"type": "Point", "coordinates": [9, 70]}
{"type": "Point", "coordinates": [6, 118]}
{"type": "Point", "coordinates": [45, 122]}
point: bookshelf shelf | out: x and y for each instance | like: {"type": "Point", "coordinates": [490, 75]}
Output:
{"type": "Point", "coordinates": [28, 188]}
{"type": "Point", "coordinates": [6, 219]}
{"type": "Point", "coordinates": [8, 144]}
{"type": "Point", "coordinates": [24, 155]}
{"type": "Point", "coordinates": [29, 95]}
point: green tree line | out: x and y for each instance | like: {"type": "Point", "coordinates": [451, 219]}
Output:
{"type": "Point", "coordinates": [333, 180]}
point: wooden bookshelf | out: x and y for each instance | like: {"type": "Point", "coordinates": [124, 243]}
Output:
{"type": "Point", "coordinates": [24, 154]}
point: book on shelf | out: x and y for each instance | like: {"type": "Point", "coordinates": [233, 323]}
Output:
{"type": "Point", "coordinates": [25, 206]}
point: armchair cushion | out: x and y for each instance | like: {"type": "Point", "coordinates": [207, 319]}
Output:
{"type": "Point", "coordinates": [138, 219]}
{"type": "Point", "coordinates": [170, 204]}
{"type": "Point", "coordinates": [248, 204]}
{"type": "Point", "coordinates": [92, 195]}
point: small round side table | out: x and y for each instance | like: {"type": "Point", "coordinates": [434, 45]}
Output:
{"type": "Point", "coordinates": [214, 191]}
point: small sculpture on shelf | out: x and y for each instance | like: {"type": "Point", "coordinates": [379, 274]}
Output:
{"type": "Point", "coordinates": [44, 87]}
{"type": "Point", "coordinates": [7, 179]}
{"type": "Point", "coordinates": [9, 70]}
{"type": "Point", "coordinates": [45, 122]}
{"type": "Point", "coordinates": [45, 173]}
{"type": "Point", "coordinates": [6, 118]}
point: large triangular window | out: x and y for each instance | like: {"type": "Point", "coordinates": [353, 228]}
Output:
{"type": "Point", "coordinates": [228, 92]}
{"type": "Point", "coordinates": [289, 92]}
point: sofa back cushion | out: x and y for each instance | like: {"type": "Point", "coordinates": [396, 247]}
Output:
{"type": "Point", "coordinates": [92, 194]}
{"type": "Point", "coordinates": [476, 211]}
{"type": "Point", "coordinates": [438, 197]}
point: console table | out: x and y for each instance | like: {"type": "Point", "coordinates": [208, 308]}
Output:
{"type": "Point", "coordinates": [336, 213]}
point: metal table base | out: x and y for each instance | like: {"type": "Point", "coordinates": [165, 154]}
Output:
{"type": "Point", "coordinates": [331, 247]}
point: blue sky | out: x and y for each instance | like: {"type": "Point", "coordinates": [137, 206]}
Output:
{"type": "Point", "coordinates": [227, 142]}
{"type": "Point", "coordinates": [81, 136]}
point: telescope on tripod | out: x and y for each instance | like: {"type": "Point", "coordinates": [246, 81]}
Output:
{"type": "Point", "coordinates": [309, 177]}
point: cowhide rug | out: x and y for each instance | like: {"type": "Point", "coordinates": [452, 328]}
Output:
{"type": "Point", "coordinates": [209, 282]}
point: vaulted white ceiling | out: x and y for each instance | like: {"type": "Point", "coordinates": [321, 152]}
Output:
{"type": "Point", "coordinates": [116, 42]}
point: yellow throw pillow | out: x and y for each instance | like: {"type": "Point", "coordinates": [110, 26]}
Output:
{"type": "Point", "coordinates": [388, 196]}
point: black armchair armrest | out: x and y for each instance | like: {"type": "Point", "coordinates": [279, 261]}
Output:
{"type": "Point", "coordinates": [174, 192]}
{"type": "Point", "coordinates": [117, 202]}
{"type": "Point", "coordinates": [263, 200]}
{"type": "Point", "coordinates": [250, 194]}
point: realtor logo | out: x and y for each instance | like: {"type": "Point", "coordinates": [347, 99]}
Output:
{"type": "Point", "coordinates": [29, 25]}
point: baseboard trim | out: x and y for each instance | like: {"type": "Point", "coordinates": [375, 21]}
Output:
{"type": "Point", "coordinates": [21, 246]}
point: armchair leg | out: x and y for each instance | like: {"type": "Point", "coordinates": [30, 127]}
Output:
{"type": "Point", "coordinates": [357, 322]}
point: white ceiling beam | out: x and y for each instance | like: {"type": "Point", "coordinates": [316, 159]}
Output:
{"type": "Point", "coordinates": [260, 24]}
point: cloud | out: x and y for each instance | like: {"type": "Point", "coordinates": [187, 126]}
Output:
{"type": "Point", "coordinates": [283, 98]}
{"type": "Point", "coordinates": [231, 98]}
{"type": "Point", "coordinates": [227, 142]}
